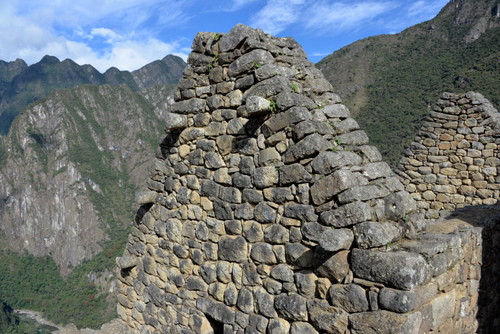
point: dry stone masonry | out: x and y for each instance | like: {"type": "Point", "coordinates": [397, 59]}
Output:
{"type": "Point", "coordinates": [268, 212]}
{"type": "Point", "coordinates": [454, 160]}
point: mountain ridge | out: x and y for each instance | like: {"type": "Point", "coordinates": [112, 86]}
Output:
{"type": "Point", "coordinates": [390, 81]}
{"type": "Point", "coordinates": [21, 84]}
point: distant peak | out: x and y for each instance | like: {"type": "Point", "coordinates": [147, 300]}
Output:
{"type": "Point", "coordinates": [49, 60]}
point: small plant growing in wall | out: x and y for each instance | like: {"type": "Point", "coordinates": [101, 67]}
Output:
{"type": "Point", "coordinates": [273, 107]}
{"type": "Point", "coordinates": [294, 87]}
{"type": "Point", "coordinates": [256, 64]}
{"type": "Point", "coordinates": [216, 37]}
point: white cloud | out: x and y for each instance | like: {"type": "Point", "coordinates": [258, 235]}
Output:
{"type": "Point", "coordinates": [340, 16]}
{"type": "Point", "coordinates": [238, 4]}
{"type": "Point", "coordinates": [277, 15]}
{"type": "Point", "coordinates": [31, 29]}
{"type": "Point", "coordinates": [425, 9]}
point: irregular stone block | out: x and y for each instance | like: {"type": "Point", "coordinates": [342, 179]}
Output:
{"type": "Point", "coordinates": [293, 174]}
{"type": "Point", "coordinates": [248, 61]}
{"type": "Point", "coordinates": [326, 162]}
{"type": "Point", "coordinates": [256, 105]}
{"type": "Point", "coordinates": [333, 240]}
{"type": "Point", "coordinates": [216, 310]}
{"type": "Point", "coordinates": [265, 177]}
{"type": "Point", "coordinates": [263, 253]}
{"type": "Point", "coordinates": [401, 270]}
{"type": "Point", "coordinates": [385, 322]}
{"type": "Point", "coordinates": [355, 138]}
{"type": "Point", "coordinates": [264, 303]}
{"type": "Point", "coordinates": [233, 249]}
{"type": "Point", "coordinates": [305, 128]}
{"type": "Point", "coordinates": [291, 306]}
{"type": "Point", "coordinates": [334, 267]}
{"type": "Point", "coordinates": [327, 318]}
{"type": "Point", "coordinates": [286, 100]}
{"type": "Point", "coordinates": [336, 111]}
{"type": "Point", "coordinates": [236, 36]}
{"type": "Point", "coordinates": [191, 106]}
{"type": "Point", "coordinates": [363, 193]}
{"type": "Point", "coordinates": [307, 147]}
{"type": "Point", "coordinates": [376, 234]}
{"type": "Point", "coordinates": [282, 272]}
{"type": "Point", "coordinates": [299, 255]}
{"type": "Point", "coordinates": [304, 213]}
{"type": "Point", "coordinates": [306, 283]}
{"type": "Point", "coordinates": [302, 328]}
{"type": "Point", "coordinates": [278, 326]}
{"type": "Point", "coordinates": [348, 214]}
{"type": "Point", "coordinates": [312, 231]}
{"type": "Point", "coordinates": [175, 121]}
{"type": "Point", "coordinates": [402, 301]}
{"type": "Point", "coordinates": [349, 297]}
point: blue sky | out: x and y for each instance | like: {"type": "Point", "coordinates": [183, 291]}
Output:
{"type": "Point", "coordinates": [131, 33]}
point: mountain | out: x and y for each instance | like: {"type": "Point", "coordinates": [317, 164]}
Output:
{"type": "Point", "coordinates": [390, 81]}
{"type": "Point", "coordinates": [69, 168]}
{"type": "Point", "coordinates": [21, 84]}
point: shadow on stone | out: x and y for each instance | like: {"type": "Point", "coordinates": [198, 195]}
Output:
{"type": "Point", "coordinates": [488, 219]}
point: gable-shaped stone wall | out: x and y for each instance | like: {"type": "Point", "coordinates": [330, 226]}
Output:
{"type": "Point", "coordinates": [454, 160]}
{"type": "Point", "coordinates": [268, 212]}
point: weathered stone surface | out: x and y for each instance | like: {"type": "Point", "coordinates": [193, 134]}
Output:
{"type": "Point", "coordinates": [278, 326]}
{"type": "Point", "coordinates": [256, 105]}
{"type": "Point", "coordinates": [348, 214]}
{"type": "Point", "coordinates": [363, 193]}
{"type": "Point", "coordinates": [349, 297]}
{"type": "Point", "coordinates": [236, 36]}
{"type": "Point", "coordinates": [263, 253]}
{"type": "Point", "coordinates": [327, 318]}
{"type": "Point", "coordinates": [402, 270]}
{"type": "Point", "coordinates": [385, 322]}
{"type": "Point", "coordinates": [291, 306]}
{"type": "Point", "coordinates": [313, 231]}
{"type": "Point", "coordinates": [327, 162]}
{"type": "Point", "coordinates": [402, 301]}
{"type": "Point", "coordinates": [334, 267]}
{"type": "Point", "coordinates": [375, 234]}
{"type": "Point", "coordinates": [216, 310]}
{"type": "Point", "coordinates": [333, 240]}
{"type": "Point", "coordinates": [233, 248]}
{"type": "Point", "coordinates": [336, 111]}
{"type": "Point", "coordinates": [304, 213]}
{"type": "Point", "coordinates": [264, 213]}
{"type": "Point", "coordinates": [265, 176]}
{"type": "Point", "coordinates": [302, 328]}
{"type": "Point", "coordinates": [306, 283]}
{"type": "Point", "coordinates": [307, 147]}
{"type": "Point", "coordinates": [249, 61]}
{"type": "Point", "coordinates": [282, 272]}
{"type": "Point", "coordinates": [191, 106]}
{"type": "Point", "coordinates": [298, 254]}
{"type": "Point", "coordinates": [293, 174]}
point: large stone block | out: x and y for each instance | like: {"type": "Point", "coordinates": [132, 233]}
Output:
{"type": "Point", "coordinates": [402, 270]}
{"type": "Point", "coordinates": [385, 322]}
{"type": "Point", "coordinates": [233, 249]}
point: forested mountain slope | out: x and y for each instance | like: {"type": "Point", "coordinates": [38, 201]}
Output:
{"type": "Point", "coordinates": [391, 81]}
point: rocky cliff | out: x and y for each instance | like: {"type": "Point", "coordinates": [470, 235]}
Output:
{"type": "Point", "coordinates": [70, 165]}
{"type": "Point", "coordinates": [21, 84]}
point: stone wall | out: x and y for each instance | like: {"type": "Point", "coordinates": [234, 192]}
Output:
{"type": "Point", "coordinates": [268, 212]}
{"type": "Point", "coordinates": [454, 160]}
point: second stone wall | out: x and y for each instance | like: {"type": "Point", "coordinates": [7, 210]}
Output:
{"type": "Point", "coordinates": [454, 160]}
